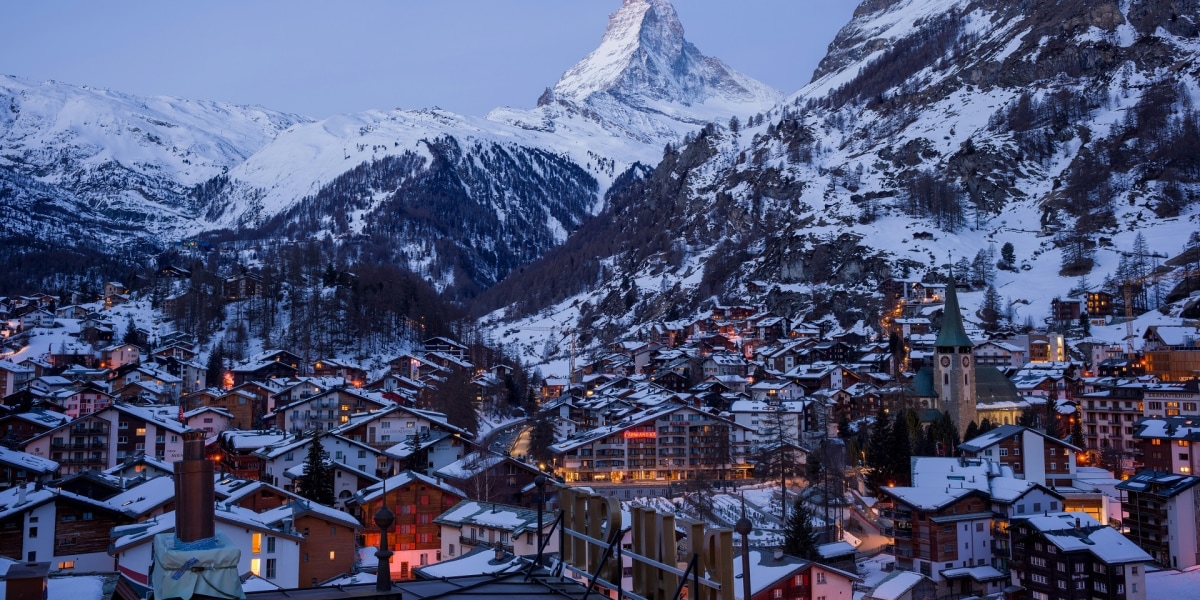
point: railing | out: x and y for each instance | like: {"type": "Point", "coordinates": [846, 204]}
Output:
{"type": "Point", "coordinates": [470, 541]}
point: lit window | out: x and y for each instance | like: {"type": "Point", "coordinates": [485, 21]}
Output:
{"type": "Point", "coordinates": [256, 566]}
{"type": "Point", "coordinates": [332, 555]}
{"type": "Point", "coordinates": [256, 545]}
{"type": "Point", "coordinates": [66, 564]}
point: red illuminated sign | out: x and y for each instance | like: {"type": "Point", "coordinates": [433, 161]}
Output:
{"type": "Point", "coordinates": [639, 435]}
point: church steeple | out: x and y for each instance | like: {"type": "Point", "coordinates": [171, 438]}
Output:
{"type": "Point", "coordinates": [952, 332]}
{"type": "Point", "coordinates": [954, 376]}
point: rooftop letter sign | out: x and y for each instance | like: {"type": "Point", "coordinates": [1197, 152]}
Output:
{"type": "Point", "coordinates": [592, 523]}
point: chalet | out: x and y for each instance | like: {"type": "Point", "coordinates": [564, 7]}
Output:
{"type": "Point", "coordinates": [113, 288]}
{"type": "Point", "coordinates": [445, 346]}
{"type": "Point", "coordinates": [775, 575]}
{"type": "Point", "coordinates": [22, 426]}
{"type": "Point", "coordinates": [103, 439]}
{"type": "Point", "coordinates": [17, 467]}
{"type": "Point", "coordinates": [39, 523]}
{"type": "Point", "coordinates": [1065, 312]}
{"type": "Point", "coordinates": [934, 530]}
{"type": "Point", "coordinates": [282, 456]}
{"type": "Point", "coordinates": [384, 428]}
{"type": "Point", "coordinates": [1099, 305]}
{"type": "Point", "coordinates": [236, 451]}
{"type": "Point", "coordinates": [268, 365]}
{"type": "Point", "coordinates": [326, 411]}
{"type": "Point", "coordinates": [269, 549]}
{"type": "Point", "coordinates": [1161, 514]}
{"type": "Point", "coordinates": [173, 272]}
{"type": "Point", "coordinates": [347, 481]}
{"type": "Point", "coordinates": [1072, 551]}
{"type": "Point", "coordinates": [473, 524]}
{"type": "Point", "coordinates": [14, 377]}
{"type": "Point", "coordinates": [416, 501]}
{"type": "Point", "coordinates": [116, 355]}
{"type": "Point", "coordinates": [999, 354]}
{"type": "Point", "coordinates": [208, 419]}
{"type": "Point", "coordinates": [1169, 444]}
{"type": "Point", "coordinates": [242, 287]}
{"type": "Point", "coordinates": [352, 373]}
{"type": "Point", "coordinates": [492, 478]}
{"type": "Point", "coordinates": [1030, 453]}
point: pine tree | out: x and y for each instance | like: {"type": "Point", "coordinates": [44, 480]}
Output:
{"type": "Point", "coordinates": [878, 450]}
{"type": "Point", "coordinates": [1077, 432]}
{"type": "Point", "coordinates": [1008, 255]}
{"type": "Point", "coordinates": [799, 538]}
{"type": "Point", "coordinates": [317, 482]}
{"type": "Point", "coordinates": [214, 373]}
{"type": "Point", "coordinates": [972, 431]}
{"type": "Point", "coordinates": [900, 457]}
{"type": "Point", "coordinates": [991, 310]}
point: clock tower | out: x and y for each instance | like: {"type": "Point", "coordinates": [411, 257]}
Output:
{"type": "Point", "coordinates": [954, 365]}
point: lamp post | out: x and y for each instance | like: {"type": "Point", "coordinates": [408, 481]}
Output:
{"type": "Point", "coordinates": [540, 482]}
{"type": "Point", "coordinates": [383, 520]}
{"type": "Point", "coordinates": [743, 527]}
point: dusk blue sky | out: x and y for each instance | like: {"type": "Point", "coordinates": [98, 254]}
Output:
{"type": "Point", "coordinates": [323, 58]}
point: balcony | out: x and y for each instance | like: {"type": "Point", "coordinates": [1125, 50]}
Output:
{"type": "Point", "coordinates": [470, 541]}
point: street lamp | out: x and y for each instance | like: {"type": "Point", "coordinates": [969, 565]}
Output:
{"type": "Point", "coordinates": [384, 518]}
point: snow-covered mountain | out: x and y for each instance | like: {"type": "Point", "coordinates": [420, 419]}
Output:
{"type": "Point", "coordinates": [647, 82]}
{"type": "Point", "coordinates": [103, 156]}
{"type": "Point", "coordinates": [933, 131]}
{"type": "Point", "coordinates": [643, 87]}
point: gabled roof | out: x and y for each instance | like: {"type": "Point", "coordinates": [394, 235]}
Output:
{"type": "Point", "coordinates": [1004, 432]}
{"type": "Point", "coordinates": [143, 498]}
{"type": "Point", "coordinates": [29, 462]}
{"type": "Point", "coordinates": [374, 491]}
{"type": "Point", "coordinates": [514, 519]}
{"type": "Point", "coordinates": [1078, 531]}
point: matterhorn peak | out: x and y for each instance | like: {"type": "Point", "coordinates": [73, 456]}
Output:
{"type": "Point", "coordinates": [644, 55]}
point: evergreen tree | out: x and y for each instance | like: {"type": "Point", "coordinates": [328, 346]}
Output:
{"type": "Point", "coordinates": [843, 426]}
{"type": "Point", "coordinates": [317, 482]}
{"type": "Point", "coordinates": [900, 453]}
{"type": "Point", "coordinates": [214, 373]}
{"type": "Point", "coordinates": [972, 431]}
{"type": "Point", "coordinates": [1085, 323]}
{"type": "Point", "coordinates": [985, 426]}
{"type": "Point", "coordinates": [799, 538]}
{"type": "Point", "coordinates": [541, 437]}
{"type": "Point", "coordinates": [456, 397]}
{"type": "Point", "coordinates": [991, 311]}
{"type": "Point", "coordinates": [1077, 433]}
{"type": "Point", "coordinates": [779, 437]}
{"type": "Point", "coordinates": [878, 450]}
{"type": "Point", "coordinates": [1008, 256]}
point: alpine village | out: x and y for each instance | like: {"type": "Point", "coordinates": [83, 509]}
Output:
{"type": "Point", "coordinates": [924, 329]}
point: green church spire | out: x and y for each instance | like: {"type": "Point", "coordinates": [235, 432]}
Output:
{"type": "Point", "coordinates": [952, 333]}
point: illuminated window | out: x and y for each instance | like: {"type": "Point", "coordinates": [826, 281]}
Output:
{"type": "Point", "coordinates": [256, 566]}
{"type": "Point", "coordinates": [140, 431]}
{"type": "Point", "coordinates": [256, 545]}
{"type": "Point", "coordinates": [332, 555]}
{"type": "Point", "coordinates": [66, 564]}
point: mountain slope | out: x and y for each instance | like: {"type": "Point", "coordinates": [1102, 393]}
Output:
{"type": "Point", "coordinates": [933, 131]}
{"type": "Point", "coordinates": [645, 86]}
{"type": "Point", "coordinates": [124, 161]}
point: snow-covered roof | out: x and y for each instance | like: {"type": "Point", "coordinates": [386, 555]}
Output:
{"type": "Point", "coordinates": [1078, 531]}
{"type": "Point", "coordinates": [480, 561]}
{"type": "Point", "coordinates": [895, 585]}
{"type": "Point", "coordinates": [513, 519]}
{"type": "Point", "coordinates": [139, 500]}
{"type": "Point", "coordinates": [29, 462]}
{"type": "Point", "coordinates": [299, 506]}
{"type": "Point", "coordinates": [252, 440]}
{"type": "Point", "coordinates": [154, 415]}
{"type": "Point", "coordinates": [374, 491]}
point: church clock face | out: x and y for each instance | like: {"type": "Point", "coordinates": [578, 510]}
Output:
{"type": "Point", "coordinates": [945, 361]}
{"type": "Point", "coordinates": [966, 361]}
